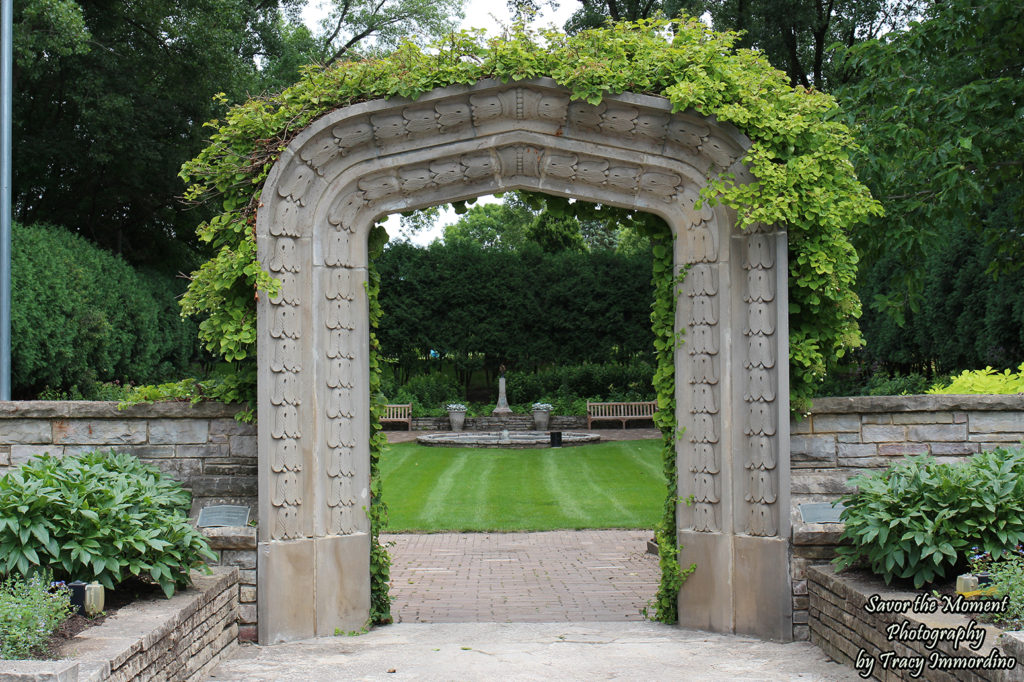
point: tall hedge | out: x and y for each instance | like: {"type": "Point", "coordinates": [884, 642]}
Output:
{"type": "Point", "coordinates": [524, 308]}
{"type": "Point", "coordinates": [967, 319]}
{"type": "Point", "coordinates": [80, 315]}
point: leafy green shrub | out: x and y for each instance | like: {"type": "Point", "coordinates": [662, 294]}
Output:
{"type": "Point", "coordinates": [29, 613]}
{"type": "Point", "coordinates": [107, 390]}
{"type": "Point", "coordinates": [1008, 581]}
{"type": "Point", "coordinates": [98, 516]}
{"type": "Point", "coordinates": [427, 393]}
{"type": "Point", "coordinates": [919, 519]}
{"type": "Point", "coordinates": [81, 316]}
{"type": "Point", "coordinates": [983, 381]}
{"type": "Point", "coordinates": [627, 381]}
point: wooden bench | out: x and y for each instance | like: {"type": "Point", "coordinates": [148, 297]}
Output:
{"type": "Point", "coordinates": [398, 413]}
{"type": "Point", "coordinates": [622, 412]}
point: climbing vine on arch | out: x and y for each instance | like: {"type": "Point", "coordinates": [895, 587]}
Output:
{"type": "Point", "coordinates": [804, 183]}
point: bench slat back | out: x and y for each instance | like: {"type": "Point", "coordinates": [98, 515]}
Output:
{"type": "Point", "coordinates": [402, 412]}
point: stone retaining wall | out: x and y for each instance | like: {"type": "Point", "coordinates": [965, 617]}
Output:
{"type": "Point", "coordinates": [236, 547]}
{"type": "Point", "coordinates": [842, 627]}
{"type": "Point", "coordinates": [202, 446]}
{"type": "Point", "coordinates": [181, 638]}
{"type": "Point", "coordinates": [842, 437]}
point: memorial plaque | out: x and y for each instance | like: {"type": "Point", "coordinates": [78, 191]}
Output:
{"type": "Point", "coordinates": [820, 512]}
{"type": "Point", "coordinates": [223, 515]}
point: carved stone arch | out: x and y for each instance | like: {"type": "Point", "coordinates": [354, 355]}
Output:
{"type": "Point", "coordinates": [358, 163]}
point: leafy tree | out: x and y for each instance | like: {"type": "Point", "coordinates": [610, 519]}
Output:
{"type": "Point", "coordinates": [355, 27]}
{"type": "Point", "coordinates": [111, 97]}
{"type": "Point", "coordinates": [556, 233]}
{"type": "Point", "coordinates": [501, 226]}
{"type": "Point", "coordinates": [109, 101]}
{"type": "Point", "coordinates": [798, 36]}
{"type": "Point", "coordinates": [971, 321]}
{"type": "Point", "coordinates": [595, 13]}
{"type": "Point", "coordinates": [938, 112]}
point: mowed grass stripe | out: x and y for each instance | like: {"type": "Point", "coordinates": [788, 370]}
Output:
{"type": "Point", "coordinates": [607, 485]}
{"type": "Point", "coordinates": [554, 479]}
{"type": "Point", "coordinates": [444, 491]}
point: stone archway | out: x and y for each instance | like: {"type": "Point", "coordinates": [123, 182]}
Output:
{"type": "Point", "coordinates": [358, 163]}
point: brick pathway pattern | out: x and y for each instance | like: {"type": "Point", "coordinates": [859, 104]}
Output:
{"type": "Point", "coordinates": [546, 577]}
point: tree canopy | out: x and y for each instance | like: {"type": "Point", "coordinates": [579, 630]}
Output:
{"type": "Point", "coordinates": [111, 98]}
{"type": "Point", "coordinates": [938, 111]}
{"type": "Point", "coordinates": [798, 36]}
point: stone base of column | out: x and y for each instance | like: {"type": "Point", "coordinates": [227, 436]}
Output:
{"type": "Point", "coordinates": [312, 587]}
{"type": "Point", "coordinates": [741, 585]}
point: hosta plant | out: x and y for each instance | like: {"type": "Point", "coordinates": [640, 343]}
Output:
{"type": "Point", "coordinates": [98, 516]}
{"type": "Point", "coordinates": [921, 519]}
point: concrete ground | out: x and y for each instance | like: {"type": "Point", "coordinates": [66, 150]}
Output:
{"type": "Point", "coordinates": [581, 579]}
{"type": "Point", "coordinates": [531, 651]}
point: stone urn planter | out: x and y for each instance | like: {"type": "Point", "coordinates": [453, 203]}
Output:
{"type": "Point", "coordinates": [457, 416]}
{"type": "Point", "coordinates": [541, 416]}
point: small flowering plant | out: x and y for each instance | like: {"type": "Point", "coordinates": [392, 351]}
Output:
{"type": "Point", "coordinates": [546, 407]}
{"type": "Point", "coordinates": [981, 561]}
{"type": "Point", "coordinates": [456, 407]}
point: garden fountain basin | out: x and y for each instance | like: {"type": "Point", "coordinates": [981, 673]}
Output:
{"type": "Point", "coordinates": [499, 439]}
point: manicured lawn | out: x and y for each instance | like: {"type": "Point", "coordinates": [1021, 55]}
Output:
{"type": "Point", "coordinates": [606, 485]}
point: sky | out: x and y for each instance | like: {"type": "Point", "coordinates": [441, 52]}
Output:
{"type": "Point", "coordinates": [490, 15]}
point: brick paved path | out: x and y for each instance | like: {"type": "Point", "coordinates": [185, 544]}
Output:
{"type": "Point", "coordinates": [556, 576]}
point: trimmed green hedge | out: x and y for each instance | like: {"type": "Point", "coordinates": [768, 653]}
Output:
{"type": "Point", "coordinates": [81, 315]}
{"type": "Point", "coordinates": [626, 381]}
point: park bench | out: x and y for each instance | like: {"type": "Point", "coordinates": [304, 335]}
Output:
{"type": "Point", "coordinates": [398, 414]}
{"type": "Point", "coordinates": [620, 411]}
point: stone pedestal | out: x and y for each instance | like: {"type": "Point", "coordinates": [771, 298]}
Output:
{"type": "Point", "coordinates": [502, 408]}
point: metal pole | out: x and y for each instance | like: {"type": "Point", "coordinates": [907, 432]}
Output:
{"type": "Point", "coordinates": [6, 71]}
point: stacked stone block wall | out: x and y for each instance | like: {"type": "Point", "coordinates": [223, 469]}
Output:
{"type": "Point", "coordinates": [845, 630]}
{"type": "Point", "coordinates": [236, 548]}
{"type": "Point", "coordinates": [842, 437]}
{"type": "Point", "coordinates": [203, 446]}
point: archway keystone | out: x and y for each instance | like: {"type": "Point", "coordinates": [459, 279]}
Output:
{"type": "Point", "coordinates": [361, 162]}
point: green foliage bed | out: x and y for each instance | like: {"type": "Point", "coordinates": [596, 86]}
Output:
{"type": "Point", "coordinates": [920, 519]}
